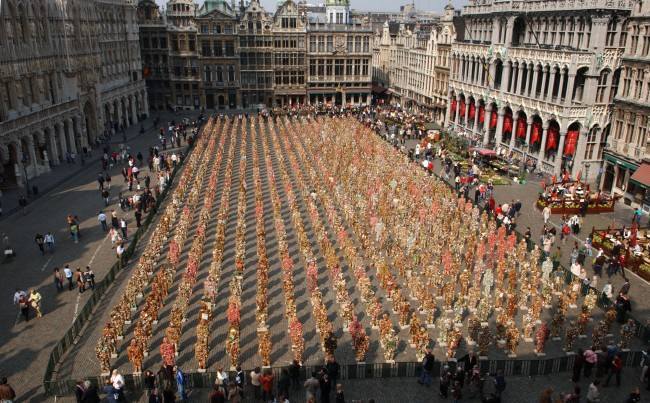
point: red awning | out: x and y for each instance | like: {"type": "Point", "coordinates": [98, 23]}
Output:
{"type": "Point", "coordinates": [642, 175]}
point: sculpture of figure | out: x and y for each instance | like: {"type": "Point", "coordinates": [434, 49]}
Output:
{"type": "Point", "coordinates": [540, 338]}
{"type": "Point", "coordinates": [488, 281]}
{"type": "Point", "coordinates": [135, 355]}
{"type": "Point", "coordinates": [547, 268]}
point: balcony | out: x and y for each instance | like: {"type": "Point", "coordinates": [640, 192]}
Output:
{"type": "Point", "coordinates": [519, 6]}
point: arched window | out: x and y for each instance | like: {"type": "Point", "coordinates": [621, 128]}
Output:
{"type": "Point", "coordinates": [602, 86]}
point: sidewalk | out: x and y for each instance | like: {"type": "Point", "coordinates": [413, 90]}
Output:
{"type": "Point", "coordinates": [65, 171]}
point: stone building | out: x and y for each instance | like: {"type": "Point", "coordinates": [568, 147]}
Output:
{"type": "Point", "coordinates": [411, 60]}
{"type": "Point", "coordinates": [219, 55]}
{"type": "Point", "coordinates": [290, 52]}
{"type": "Point", "coordinates": [69, 70]}
{"type": "Point", "coordinates": [626, 165]}
{"type": "Point", "coordinates": [339, 57]}
{"type": "Point", "coordinates": [223, 57]}
{"type": "Point", "coordinates": [535, 78]}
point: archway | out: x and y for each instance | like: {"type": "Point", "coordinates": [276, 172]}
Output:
{"type": "Point", "coordinates": [461, 110]}
{"type": "Point", "coordinates": [536, 134]}
{"type": "Point", "coordinates": [506, 132]}
{"type": "Point", "coordinates": [552, 139]}
{"type": "Point", "coordinates": [570, 146]}
{"type": "Point", "coordinates": [521, 129]}
{"type": "Point", "coordinates": [471, 114]}
{"type": "Point", "coordinates": [453, 107]}
{"type": "Point", "coordinates": [91, 122]}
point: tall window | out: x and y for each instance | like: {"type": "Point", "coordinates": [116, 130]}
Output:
{"type": "Point", "coordinates": [627, 80]}
{"type": "Point", "coordinates": [638, 84]}
{"type": "Point", "coordinates": [611, 32]}
{"type": "Point", "coordinates": [634, 41]}
{"type": "Point", "coordinates": [602, 86]}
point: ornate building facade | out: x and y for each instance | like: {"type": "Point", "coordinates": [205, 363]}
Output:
{"type": "Point", "coordinates": [69, 70]}
{"type": "Point", "coordinates": [222, 56]}
{"type": "Point", "coordinates": [626, 169]}
{"type": "Point", "coordinates": [536, 78]}
{"type": "Point", "coordinates": [411, 60]}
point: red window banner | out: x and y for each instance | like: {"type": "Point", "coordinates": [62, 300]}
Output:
{"type": "Point", "coordinates": [507, 123]}
{"type": "Point", "coordinates": [521, 127]}
{"type": "Point", "coordinates": [552, 139]}
{"type": "Point", "coordinates": [453, 105]}
{"type": "Point", "coordinates": [493, 120]}
{"type": "Point", "coordinates": [536, 133]}
{"type": "Point", "coordinates": [472, 111]}
{"type": "Point", "coordinates": [462, 109]}
{"type": "Point", "coordinates": [571, 142]}
{"type": "Point", "coordinates": [481, 114]}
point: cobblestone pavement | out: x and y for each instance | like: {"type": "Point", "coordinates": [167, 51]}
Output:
{"type": "Point", "coordinates": [25, 346]}
{"type": "Point", "coordinates": [81, 362]}
{"type": "Point", "coordinates": [531, 217]}
{"type": "Point", "coordinates": [402, 390]}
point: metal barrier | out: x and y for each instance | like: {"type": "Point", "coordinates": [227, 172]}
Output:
{"type": "Point", "coordinates": [59, 350]}
{"type": "Point", "coordinates": [510, 367]}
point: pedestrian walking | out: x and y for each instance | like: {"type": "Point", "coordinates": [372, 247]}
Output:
{"type": "Point", "coordinates": [89, 278]}
{"type": "Point", "coordinates": [20, 299]}
{"type": "Point", "coordinates": [100, 181]}
{"type": "Point", "coordinates": [123, 227]}
{"type": "Point", "coordinates": [325, 388]}
{"type": "Point", "coordinates": [35, 302]}
{"type": "Point", "coordinates": [40, 242]}
{"type": "Point", "coordinates": [22, 202]}
{"type": "Point", "coordinates": [115, 223]}
{"type": "Point", "coordinates": [311, 386]}
{"type": "Point", "coordinates": [333, 369]}
{"type": "Point", "coordinates": [107, 180]}
{"type": "Point", "coordinates": [180, 384]}
{"type": "Point", "coordinates": [138, 218]}
{"type": "Point", "coordinates": [101, 217]}
{"type": "Point", "coordinates": [49, 242]}
{"type": "Point", "coordinates": [445, 379]}
{"type": "Point", "coordinates": [499, 383]}
{"type": "Point", "coordinates": [294, 374]}
{"type": "Point", "coordinates": [266, 380]}
{"type": "Point", "coordinates": [577, 366]}
{"type": "Point", "coordinates": [427, 368]}
{"type": "Point", "coordinates": [68, 275]}
{"type": "Point", "coordinates": [106, 196]}
{"type": "Point", "coordinates": [120, 254]}
{"type": "Point", "coordinates": [58, 279]}
{"type": "Point", "coordinates": [240, 381]}
{"type": "Point", "coordinates": [74, 232]}
{"type": "Point", "coordinates": [255, 383]}
{"type": "Point", "coordinates": [79, 280]}
{"type": "Point", "coordinates": [615, 369]}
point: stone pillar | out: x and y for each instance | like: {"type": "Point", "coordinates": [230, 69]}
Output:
{"type": "Point", "coordinates": [542, 147]}
{"type": "Point", "coordinates": [60, 130]}
{"type": "Point", "coordinates": [134, 111]}
{"type": "Point", "coordinates": [505, 77]}
{"type": "Point", "coordinates": [475, 126]}
{"type": "Point", "coordinates": [447, 121]}
{"type": "Point", "coordinates": [545, 75]}
{"type": "Point", "coordinates": [521, 83]}
{"type": "Point", "coordinates": [551, 83]}
{"type": "Point", "coordinates": [53, 147]}
{"type": "Point", "coordinates": [569, 89]}
{"type": "Point", "coordinates": [71, 136]}
{"type": "Point", "coordinates": [529, 128]}
{"type": "Point", "coordinates": [509, 28]}
{"type": "Point", "coordinates": [32, 155]}
{"type": "Point", "coordinates": [456, 118]}
{"type": "Point", "coordinates": [466, 113]}
{"type": "Point", "coordinates": [486, 124]}
{"type": "Point", "coordinates": [532, 91]}
{"type": "Point", "coordinates": [79, 133]}
{"type": "Point", "coordinates": [560, 150]}
{"type": "Point", "coordinates": [479, 79]}
{"type": "Point", "coordinates": [119, 113]}
{"type": "Point", "coordinates": [492, 74]}
{"type": "Point", "coordinates": [513, 135]}
{"type": "Point", "coordinates": [579, 155]}
{"type": "Point", "coordinates": [559, 88]}
{"type": "Point", "coordinates": [499, 133]}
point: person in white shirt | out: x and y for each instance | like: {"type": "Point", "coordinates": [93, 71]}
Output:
{"type": "Point", "coordinates": [607, 290]}
{"type": "Point", "coordinates": [68, 275]}
{"type": "Point", "coordinates": [120, 253]}
{"type": "Point", "coordinates": [593, 395]}
{"type": "Point", "coordinates": [102, 220]}
{"type": "Point", "coordinates": [49, 242]}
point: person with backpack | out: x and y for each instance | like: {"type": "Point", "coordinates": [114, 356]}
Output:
{"type": "Point", "coordinates": [428, 361]}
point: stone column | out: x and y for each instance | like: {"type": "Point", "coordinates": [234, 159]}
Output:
{"type": "Point", "coordinates": [551, 83]}
{"type": "Point", "coordinates": [579, 155]}
{"type": "Point", "coordinates": [559, 88]}
{"type": "Point", "coordinates": [509, 28]}
{"type": "Point", "coordinates": [58, 127]}
{"type": "Point", "coordinates": [521, 83]}
{"type": "Point", "coordinates": [505, 76]}
{"type": "Point", "coordinates": [466, 113]}
{"type": "Point", "coordinates": [545, 75]}
{"type": "Point", "coordinates": [569, 89]}
{"type": "Point", "coordinates": [447, 116]}
{"type": "Point", "coordinates": [32, 155]}
{"type": "Point", "coordinates": [513, 135]}
{"type": "Point", "coordinates": [560, 150]}
{"type": "Point", "coordinates": [499, 133]}
{"type": "Point", "coordinates": [492, 74]}
{"type": "Point", "coordinates": [134, 111]}
{"type": "Point", "coordinates": [542, 147]}
{"type": "Point", "coordinates": [53, 147]}
{"type": "Point", "coordinates": [475, 126]}
{"type": "Point", "coordinates": [479, 79]}
{"type": "Point", "coordinates": [532, 91]}
{"type": "Point", "coordinates": [486, 124]}
{"type": "Point", "coordinates": [80, 133]}
{"type": "Point", "coordinates": [119, 113]}
{"type": "Point", "coordinates": [71, 136]}
{"type": "Point", "coordinates": [529, 128]}
{"type": "Point", "coordinates": [457, 117]}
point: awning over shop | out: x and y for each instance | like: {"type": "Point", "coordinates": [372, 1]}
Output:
{"type": "Point", "coordinates": [642, 175]}
{"type": "Point", "coordinates": [378, 89]}
{"type": "Point", "coordinates": [621, 162]}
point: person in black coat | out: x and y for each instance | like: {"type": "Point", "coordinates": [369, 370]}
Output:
{"type": "Point", "coordinates": [577, 366]}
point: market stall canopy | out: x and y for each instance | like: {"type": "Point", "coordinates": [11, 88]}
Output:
{"type": "Point", "coordinates": [642, 175]}
{"type": "Point", "coordinates": [484, 152]}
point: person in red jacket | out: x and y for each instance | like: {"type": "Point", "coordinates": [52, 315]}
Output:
{"type": "Point", "coordinates": [266, 380]}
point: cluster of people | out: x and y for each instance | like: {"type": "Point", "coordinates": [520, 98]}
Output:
{"type": "Point", "coordinates": [45, 242]}
{"type": "Point", "coordinates": [28, 301]}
